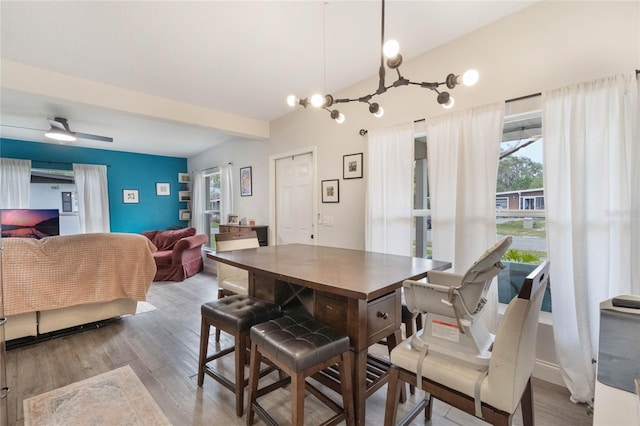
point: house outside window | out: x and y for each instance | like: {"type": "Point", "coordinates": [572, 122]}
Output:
{"type": "Point", "coordinates": [520, 203]}
{"type": "Point", "coordinates": [421, 244]}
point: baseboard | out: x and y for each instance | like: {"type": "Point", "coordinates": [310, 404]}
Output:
{"type": "Point", "coordinates": [548, 372]}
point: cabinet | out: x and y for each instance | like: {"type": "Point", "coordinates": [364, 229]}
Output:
{"type": "Point", "coordinates": [261, 230]}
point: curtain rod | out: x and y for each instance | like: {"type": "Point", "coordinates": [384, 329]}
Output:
{"type": "Point", "coordinates": [213, 167]}
{"type": "Point", "coordinates": [66, 164]}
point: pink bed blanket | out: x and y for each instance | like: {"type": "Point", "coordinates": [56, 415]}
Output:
{"type": "Point", "coordinates": [57, 272]}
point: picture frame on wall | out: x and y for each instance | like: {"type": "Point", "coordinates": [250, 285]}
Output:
{"type": "Point", "coordinates": [183, 178]}
{"type": "Point", "coordinates": [331, 191]}
{"type": "Point", "coordinates": [163, 189]}
{"type": "Point", "coordinates": [246, 184]}
{"type": "Point", "coordinates": [130, 196]}
{"type": "Point", "coordinates": [352, 166]}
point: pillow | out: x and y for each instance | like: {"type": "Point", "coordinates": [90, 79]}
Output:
{"type": "Point", "coordinates": [165, 240]}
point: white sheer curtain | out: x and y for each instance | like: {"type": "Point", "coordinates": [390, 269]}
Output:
{"type": "Point", "coordinates": [226, 192]}
{"type": "Point", "coordinates": [15, 180]}
{"type": "Point", "coordinates": [462, 154]}
{"type": "Point", "coordinates": [389, 190]}
{"type": "Point", "coordinates": [592, 193]}
{"type": "Point", "coordinates": [93, 197]}
{"type": "Point", "coordinates": [197, 217]}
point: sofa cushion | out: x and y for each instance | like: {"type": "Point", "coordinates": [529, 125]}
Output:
{"type": "Point", "coordinates": [163, 257]}
{"type": "Point", "coordinates": [165, 240]}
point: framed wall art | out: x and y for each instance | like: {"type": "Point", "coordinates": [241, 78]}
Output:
{"type": "Point", "coordinates": [246, 183]}
{"type": "Point", "coordinates": [130, 196]}
{"type": "Point", "coordinates": [163, 188]}
{"type": "Point", "coordinates": [352, 166]}
{"type": "Point", "coordinates": [183, 178]}
{"type": "Point", "coordinates": [331, 191]}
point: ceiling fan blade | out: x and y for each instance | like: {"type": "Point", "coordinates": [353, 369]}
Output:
{"type": "Point", "coordinates": [93, 137]}
{"type": "Point", "coordinates": [59, 123]}
{"type": "Point", "coordinates": [22, 127]}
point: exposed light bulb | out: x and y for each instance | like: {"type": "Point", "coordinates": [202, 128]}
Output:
{"type": "Point", "coordinates": [379, 113]}
{"type": "Point", "coordinates": [340, 118]}
{"type": "Point", "coordinates": [390, 49]}
{"type": "Point", "coordinates": [292, 100]}
{"type": "Point", "coordinates": [449, 104]}
{"type": "Point", "coordinates": [470, 77]}
{"type": "Point", "coordinates": [317, 100]}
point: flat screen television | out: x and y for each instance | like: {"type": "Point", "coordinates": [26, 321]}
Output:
{"type": "Point", "coordinates": [29, 223]}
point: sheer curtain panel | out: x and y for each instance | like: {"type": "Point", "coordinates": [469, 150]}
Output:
{"type": "Point", "coordinates": [462, 152]}
{"type": "Point", "coordinates": [15, 178]}
{"type": "Point", "coordinates": [591, 160]}
{"type": "Point", "coordinates": [198, 192]}
{"type": "Point", "coordinates": [226, 192]}
{"type": "Point", "coordinates": [389, 190]}
{"type": "Point", "coordinates": [93, 197]}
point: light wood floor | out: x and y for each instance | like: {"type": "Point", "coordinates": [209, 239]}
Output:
{"type": "Point", "coordinates": [162, 348]}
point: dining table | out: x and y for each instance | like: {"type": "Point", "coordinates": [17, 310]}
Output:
{"type": "Point", "coordinates": [355, 291]}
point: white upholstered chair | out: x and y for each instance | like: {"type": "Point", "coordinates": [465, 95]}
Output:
{"type": "Point", "coordinates": [232, 280]}
{"type": "Point", "coordinates": [492, 393]}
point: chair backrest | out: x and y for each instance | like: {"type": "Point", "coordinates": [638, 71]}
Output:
{"type": "Point", "coordinates": [228, 241]}
{"type": "Point", "coordinates": [477, 280]}
{"type": "Point", "coordinates": [514, 350]}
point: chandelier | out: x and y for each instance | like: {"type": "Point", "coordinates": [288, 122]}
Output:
{"type": "Point", "coordinates": [389, 50]}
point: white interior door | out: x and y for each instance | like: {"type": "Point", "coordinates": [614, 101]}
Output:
{"type": "Point", "coordinates": [294, 199]}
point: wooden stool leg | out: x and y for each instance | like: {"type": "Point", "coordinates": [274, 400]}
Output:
{"type": "Point", "coordinates": [254, 376]}
{"type": "Point", "coordinates": [393, 396]}
{"type": "Point", "coordinates": [297, 399]}
{"type": "Point", "coordinates": [527, 405]}
{"type": "Point", "coordinates": [204, 345]}
{"type": "Point", "coordinates": [220, 296]}
{"type": "Point", "coordinates": [241, 355]}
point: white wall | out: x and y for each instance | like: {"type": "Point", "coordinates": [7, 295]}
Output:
{"type": "Point", "coordinates": [545, 46]}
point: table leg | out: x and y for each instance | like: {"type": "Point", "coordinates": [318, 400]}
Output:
{"type": "Point", "coordinates": [360, 385]}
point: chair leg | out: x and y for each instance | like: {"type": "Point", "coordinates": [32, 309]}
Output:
{"type": "Point", "coordinates": [428, 409]}
{"type": "Point", "coordinates": [527, 405]}
{"type": "Point", "coordinates": [204, 346]}
{"type": "Point", "coordinates": [409, 328]}
{"type": "Point", "coordinates": [254, 376]}
{"type": "Point", "coordinates": [393, 396]}
{"type": "Point", "coordinates": [297, 399]}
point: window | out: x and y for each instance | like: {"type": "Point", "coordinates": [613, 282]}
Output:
{"type": "Point", "coordinates": [212, 206]}
{"type": "Point", "coordinates": [421, 244]}
{"type": "Point", "coordinates": [56, 189]}
{"type": "Point", "coordinates": [520, 203]}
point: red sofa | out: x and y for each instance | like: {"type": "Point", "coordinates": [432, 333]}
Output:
{"type": "Point", "coordinates": [179, 254]}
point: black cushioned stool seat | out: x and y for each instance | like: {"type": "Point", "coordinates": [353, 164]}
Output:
{"type": "Point", "coordinates": [234, 315]}
{"type": "Point", "coordinates": [300, 346]}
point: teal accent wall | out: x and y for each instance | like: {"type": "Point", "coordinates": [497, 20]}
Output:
{"type": "Point", "coordinates": [126, 170]}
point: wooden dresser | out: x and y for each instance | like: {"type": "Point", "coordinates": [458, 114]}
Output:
{"type": "Point", "coordinates": [261, 230]}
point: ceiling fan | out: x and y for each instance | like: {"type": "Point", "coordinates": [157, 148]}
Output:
{"type": "Point", "coordinates": [60, 131]}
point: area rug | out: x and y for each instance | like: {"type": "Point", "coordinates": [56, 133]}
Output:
{"type": "Point", "coordinates": [113, 398]}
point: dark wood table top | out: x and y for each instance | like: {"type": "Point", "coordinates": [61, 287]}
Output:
{"type": "Point", "coordinates": [351, 273]}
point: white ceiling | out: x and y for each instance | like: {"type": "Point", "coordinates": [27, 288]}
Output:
{"type": "Point", "coordinates": [237, 57]}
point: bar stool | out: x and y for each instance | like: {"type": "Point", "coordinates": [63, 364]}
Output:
{"type": "Point", "coordinates": [234, 315]}
{"type": "Point", "coordinates": [300, 346]}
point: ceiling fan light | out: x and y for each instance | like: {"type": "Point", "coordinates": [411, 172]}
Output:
{"type": "Point", "coordinates": [60, 135]}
